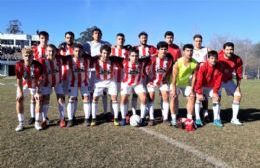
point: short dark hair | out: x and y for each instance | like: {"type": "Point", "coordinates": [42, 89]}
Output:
{"type": "Point", "coordinates": [106, 48]}
{"type": "Point", "coordinates": [228, 44]}
{"type": "Point", "coordinates": [70, 33]}
{"type": "Point", "coordinates": [43, 33]}
{"type": "Point", "coordinates": [135, 50]}
{"type": "Point", "coordinates": [168, 33]}
{"type": "Point", "coordinates": [142, 34]}
{"type": "Point", "coordinates": [197, 36]}
{"type": "Point", "coordinates": [120, 34]}
{"type": "Point", "coordinates": [162, 44]}
{"type": "Point", "coordinates": [77, 45]}
{"type": "Point", "coordinates": [96, 29]}
{"type": "Point", "coordinates": [213, 53]}
{"type": "Point", "coordinates": [52, 46]}
{"type": "Point", "coordinates": [189, 46]}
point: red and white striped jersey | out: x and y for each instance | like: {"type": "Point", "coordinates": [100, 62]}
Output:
{"type": "Point", "coordinates": [78, 75]}
{"type": "Point", "coordinates": [119, 52]}
{"type": "Point", "coordinates": [52, 73]}
{"type": "Point", "coordinates": [29, 74]}
{"type": "Point", "coordinates": [160, 69]}
{"type": "Point", "coordinates": [133, 72]}
{"type": "Point", "coordinates": [38, 52]}
{"type": "Point", "coordinates": [104, 70]}
{"type": "Point", "coordinates": [66, 50]}
{"type": "Point", "coordinates": [148, 50]}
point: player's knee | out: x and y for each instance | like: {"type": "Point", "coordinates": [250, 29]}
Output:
{"type": "Point", "coordinates": [72, 99]}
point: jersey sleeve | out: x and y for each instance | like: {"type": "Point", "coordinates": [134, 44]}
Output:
{"type": "Point", "coordinates": [239, 68]}
{"type": "Point", "coordinates": [18, 70]}
{"type": "Point", "coordinates": [199, 79]}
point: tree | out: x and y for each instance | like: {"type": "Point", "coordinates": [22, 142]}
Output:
{"type": "Point", "coordinates": [86, 35]}
{"type": "Point", "coordinates": [14, 27]}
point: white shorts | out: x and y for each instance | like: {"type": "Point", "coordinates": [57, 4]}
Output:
{"type": "Point", "coordinates": [127, 90]}
{"type": "Point", "coordinates": [59, 89]}
{"type": "Point", "coordinates": [100, 86]}
{"type": "Point", "coordinates": [27, 91]}
{"type": "Point", "coordinates": [163, 87]}
{"type": "Point", "coordinates": [208, 92]}
{"type": "Point", "coordinates": [185, 90]}
{"type": "Point", "coordinates": [73, 91]}
{"type": "Point", "coordinates": [230, 87]}
{"type": "Point", "coordinates": [46, 90]}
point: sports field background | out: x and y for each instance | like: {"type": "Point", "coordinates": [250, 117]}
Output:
{"type": "Point", "coordinates": [109, 146]}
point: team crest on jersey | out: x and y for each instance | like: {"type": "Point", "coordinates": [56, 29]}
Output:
{"type": "Point", "coordinates": [105, 72]}
{"type": "Point", "coordinates": [161, 70]}
{"type": "Point", "coordinates": [133, 72]}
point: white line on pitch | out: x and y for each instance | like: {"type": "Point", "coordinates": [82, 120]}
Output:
{"type": "Point", "coordinates": [2, 84]}
{"type": "Point", "coordinates": [210, 159]}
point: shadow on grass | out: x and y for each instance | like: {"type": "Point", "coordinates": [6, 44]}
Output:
{"type": "Point", "coordinates": [245, 115]}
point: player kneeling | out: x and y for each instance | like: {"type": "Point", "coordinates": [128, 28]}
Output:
{"type": "Point", "coordinates": [29, 71]}
{"type": "Point", "coordinates": [160, 68]}
{"type": "Point", "coordinates": [208, 83]}
{"type": "Point", "coordinates": [133, 78]}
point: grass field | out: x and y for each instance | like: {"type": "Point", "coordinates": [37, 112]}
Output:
{"type": "Point", "coordinates": [109, 146]}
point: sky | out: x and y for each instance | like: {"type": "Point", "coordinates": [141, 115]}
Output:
{"type": "Point", "coordinates": [235, 18]}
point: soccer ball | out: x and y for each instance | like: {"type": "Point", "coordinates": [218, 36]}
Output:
{"type": "Point", "coordinates": [135, 120]}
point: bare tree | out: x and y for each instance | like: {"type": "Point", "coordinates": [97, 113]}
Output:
{"type": "Point", "coordinates": [14, 27]}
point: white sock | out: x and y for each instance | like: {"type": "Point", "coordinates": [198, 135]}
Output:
{"type": "Point", "coordinates": [32, 110]}
{"type": "Point", "coordinates": [115, 109]}
{"type": "Point", "coordinates": [134, 104]}
{"type": "Point", "coordinates": [70, 110]}
{"type": "Point", "coordinates": [235, 108]}
{"type": "Point", "coordinates": [104, 100]}
{"type": "Point", "coordinates": [151, 111]}
{"type": "Point", "coordinates": [20, 117]}
{"type": "Point", "coordinates": [94, 109]}
{"type": "Point", "coordinates": [37, 116]}
{"type": "Point", "coordinates": [165, 110]}
{"type": "Point", "coordinates": [86, 109]}
{"type": "Point", "coordinates": [62, 110]}
{"type": "Point", "coordinates": [216, 110]}
{"type": "Point", "coordinates": [197, 111]}
{"type": "Point", "coordinates": [189, 116]}
{"type": "Point", "coordinates": [142, 109]}
{"type": "Point", "coordinates": [173, 116]}
{"type": "Point", "coordinates": [206, 113]}
{"type": "Point", "coordinates": [123, 109]}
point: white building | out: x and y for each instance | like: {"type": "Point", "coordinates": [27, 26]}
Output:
{"type": "Point", "coordinates": [17, 40]}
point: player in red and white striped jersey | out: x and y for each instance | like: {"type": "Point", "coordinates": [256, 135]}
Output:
{"type": "Point", "coordinates": [52, 78]}
{"type": "Point", "coordinates": [144, 50]}
{"type": "Point", "coordinates": [104, 67]}
{"type": "Point", "coordinates": [160, 68]}
{"type": "Point", "coordinates": [39, 50]}
{"type": "Point", "coordinates": [30, 71]}
{"type": "Point", "coordinates": [79, 80]}
{"type": "Point", "coordinates": [133, 80]}
{"type": "Point", "coordinates": [38, 54]}
{"type": "Point", "coordinates": [119, 51]}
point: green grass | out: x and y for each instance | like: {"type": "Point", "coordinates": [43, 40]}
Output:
{"type": "Point", "coordinates": [109, 146]}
